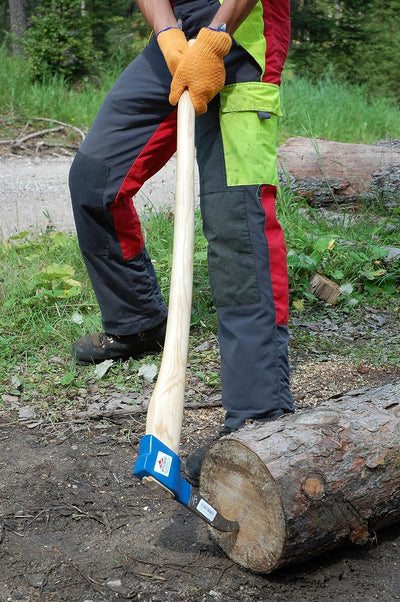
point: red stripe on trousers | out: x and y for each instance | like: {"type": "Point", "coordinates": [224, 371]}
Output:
{"type": "Point", "coordinates": [158, 150]}
{"type": "Point", "coordinates": [276, 15]}
{"type": "Point", "coordinates": [277, 255]}
{"type": "Point", "coordinates": [277, 34]}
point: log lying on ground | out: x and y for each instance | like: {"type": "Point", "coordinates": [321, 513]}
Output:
{"type": "Point", "coordinates": [325, 172]}
{"type": "Point", "coordinates": [309, 482]}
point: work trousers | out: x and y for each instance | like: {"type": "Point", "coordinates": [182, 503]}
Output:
{"type": "Point", "coordinates": [132, 137]}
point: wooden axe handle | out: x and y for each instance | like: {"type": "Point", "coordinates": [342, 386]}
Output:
{"type": "Point", "coordinates": [164, 417]}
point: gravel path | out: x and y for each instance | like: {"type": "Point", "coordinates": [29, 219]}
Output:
{"type": "Point", "coordinates": [34, 191]}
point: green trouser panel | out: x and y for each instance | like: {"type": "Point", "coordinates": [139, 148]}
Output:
{"type": "Point", "coordinates": [250, 35]}
{"type": "Point", "coordinates": [249, 114]}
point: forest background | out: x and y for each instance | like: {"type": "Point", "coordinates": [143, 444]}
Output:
{"type": "Point", "coordinates": [355, 41]}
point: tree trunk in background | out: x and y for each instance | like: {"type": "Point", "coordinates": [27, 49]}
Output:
{"type": "Point", "coordinates": [18, 23]}
{"type": "Point", "coordinates": [304, 484]}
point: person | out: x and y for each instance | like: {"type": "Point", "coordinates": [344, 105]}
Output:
{"type": "Point", "coordinates": [233, 72]}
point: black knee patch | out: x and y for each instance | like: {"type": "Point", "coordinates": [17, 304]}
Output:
{"type": "Point", "coordinates": [87, 183]}
{"type": "Point", "coordinates": [231, 262]}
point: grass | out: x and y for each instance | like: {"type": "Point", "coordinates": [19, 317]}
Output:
{"type": "Point", "coordinates": [22, 99]}
{"type": "Point", "coordinates": [47, 300]}
{"type": "Point", "coordinates": [328, 109]}
{"type": "Point", "coordinates": [336, 111]}
{"type": "Point", "coordinates": [351, 251]}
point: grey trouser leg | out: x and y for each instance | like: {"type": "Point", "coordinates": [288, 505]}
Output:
{"type": "Point", "coordinates": [132, 137]}
{"type": "Point", "coordinates": [254, 363]}
{"type": "Point", "coordinates": [111, 165]}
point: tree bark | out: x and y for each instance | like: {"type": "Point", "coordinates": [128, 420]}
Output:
{"type": "Point", "coordinates": [309, 482]}
{"type": "Point", "coordinates": [18, 23]}
{"type": "Point", "coordinates": [326, 172]}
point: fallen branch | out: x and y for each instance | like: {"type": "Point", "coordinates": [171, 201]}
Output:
{"type": "Point", "coordinates": [67, 125]}
{"type": "Point", "coordinates": [120, 413]}
{"type": "Point", "coordinates": [20, 140]}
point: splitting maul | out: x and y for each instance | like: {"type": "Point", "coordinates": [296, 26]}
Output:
{"type": "Point", "coordinates": [158, 465]}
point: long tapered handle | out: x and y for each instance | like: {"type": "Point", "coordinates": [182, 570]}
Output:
{"type": "Point", "coordinates": [164, 417]}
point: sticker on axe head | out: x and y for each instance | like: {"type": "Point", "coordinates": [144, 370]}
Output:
{"type": "Point", "coordinates": [163, 464]}
{"type": "Point", "coordinates": [206, 510]}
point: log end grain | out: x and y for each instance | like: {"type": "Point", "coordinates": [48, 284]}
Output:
{"type": "Point", "coordinates": [324, 289]}
{"type": "Point", "coordinates": [236, 482]}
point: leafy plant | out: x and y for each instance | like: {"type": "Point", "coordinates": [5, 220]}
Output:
{"type": "Point", "coordinates": [59, 40]}
{"type": "Point", "coordinates": [53, 282]}
{"type": "Point", "coordinates": [352, 255]}
{"type": "Point", "coordinates": [126, 39]}
{"type": "Point", "coordinates": [356, 40]}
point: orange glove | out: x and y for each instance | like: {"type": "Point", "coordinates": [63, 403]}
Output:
{"type": "Point", "coordinates": [173, 43]}
{"type": "Point", "coordinates": [201, 69]}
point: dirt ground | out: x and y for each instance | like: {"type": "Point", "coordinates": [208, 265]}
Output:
{"type": "Point", "coordinates": [76, 526]}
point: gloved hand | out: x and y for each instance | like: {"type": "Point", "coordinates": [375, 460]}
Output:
{"type": "Point", "coordinates": [173, 43]}
{"type": "Point", "coordinates": [201, 69]}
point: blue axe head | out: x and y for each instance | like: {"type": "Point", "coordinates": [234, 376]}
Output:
{"type": "Point", "coordinates": [158, 467]}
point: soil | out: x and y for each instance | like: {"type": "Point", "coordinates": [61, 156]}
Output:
{"type": "Point", "coordinates": [76, 526]}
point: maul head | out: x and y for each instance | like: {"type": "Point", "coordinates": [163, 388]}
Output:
{"type": "Point", "coordinates": [158, 467]}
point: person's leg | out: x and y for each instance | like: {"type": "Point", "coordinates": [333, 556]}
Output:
{"type": "Point", "coordinates": [248, 276]}
{"type": "Point", "coordinates": [133, 135]}
{"type": "Point", "coordinates": [246, 251]}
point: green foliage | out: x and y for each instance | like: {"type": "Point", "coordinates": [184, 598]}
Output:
{"type": "Point", "coordinates": [59, 40]}
{"type": "Point", "coordinates": [53, 282]}
{"type": "Point", "coordinates": [125, 39]}
{"type": "Point", "coordinates": [21, 98]}
{"type": "Point", "coordinates": [159, 227]}
{"type": "Point", "coordinates": [337, 111]}
{"type": "Point", "coordinates": [356, 40]}
{"type": "Point", "coordinates": [73, 42]}
{"type": "Point", "coordinates": [352, 254]}
{"type": "Point", "coordinates": [377, 61]}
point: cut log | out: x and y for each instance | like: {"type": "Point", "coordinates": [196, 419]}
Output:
{"type": "Point", "coordinates": [326, 172]}
{"type": "Point", "coordinates": [309, 482]}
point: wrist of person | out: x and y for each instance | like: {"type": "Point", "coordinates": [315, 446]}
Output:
{"type": "Point", "coordinates": [173, 44]}
{"type": "Point", "coordinates": [219, 27]}
{"type": "Point", "coordinates": [178, 25]}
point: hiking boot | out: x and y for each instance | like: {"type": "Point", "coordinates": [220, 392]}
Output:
{"type": "Point", "coordinates": [95, 348]}
{"type": "Point", "coordinates": [195, 460]}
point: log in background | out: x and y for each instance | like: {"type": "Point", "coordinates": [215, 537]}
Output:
{"type": "Point", "coordinates": [326, 172]}
{"type": "Point", "coordinates": [308, 482]}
